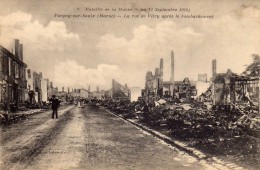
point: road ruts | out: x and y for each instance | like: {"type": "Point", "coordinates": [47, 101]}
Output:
{"type": "Point", "coordinates": [91, 138]}
{"type": "Point", "coordinates": [20, 151]}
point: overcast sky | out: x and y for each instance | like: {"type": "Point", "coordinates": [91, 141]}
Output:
{"type": "Point", "coordinates": [78, 52]}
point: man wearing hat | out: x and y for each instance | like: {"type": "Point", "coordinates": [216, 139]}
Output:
{"type": "Point", "coordinates": [55, 103]}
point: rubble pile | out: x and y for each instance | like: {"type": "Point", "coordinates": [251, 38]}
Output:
{"type": "Point", "coordinates": [218, 131]}
{"type": "Point", "coordinates": [191, 120]}
{"type": "Point", "coordinates": [250, 121]}
{"type": "Point", "coordinates": [158, 115]}
{"type": "Point", "coordinates": [123, 108]}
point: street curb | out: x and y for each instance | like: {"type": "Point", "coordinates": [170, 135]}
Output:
{"type": "Point", "coordinates": [21, 115]}
{"type": "Point", "coordinates": [167, 139]}
{"type": "Point", "coordinates": [215, 162]}
{"type": "Point", "coordinates": [31, 112]}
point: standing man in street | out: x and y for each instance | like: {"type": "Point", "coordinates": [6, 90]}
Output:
{"type": "Point", "coordinates": [55, 103]}
{"type": "Point", "coordinates": [146, 110]}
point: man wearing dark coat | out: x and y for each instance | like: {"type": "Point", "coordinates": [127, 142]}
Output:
{"type": "Point", "coordinates": [55, 103]}
{"type": "Point", "coordinates": [146, 109]}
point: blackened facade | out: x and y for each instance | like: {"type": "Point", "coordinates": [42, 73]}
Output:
{"type": "Point", "coordinates": [12, 76]}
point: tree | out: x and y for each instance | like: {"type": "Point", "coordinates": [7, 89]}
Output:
{"type": "Point", "coordinates": [254, 68]}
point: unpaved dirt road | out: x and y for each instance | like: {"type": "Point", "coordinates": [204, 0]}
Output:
{"type": "Point", "coordinates": [86, 138]}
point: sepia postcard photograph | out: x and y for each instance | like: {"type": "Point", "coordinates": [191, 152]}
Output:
{"type": "Point", "coordinates": [130, 84]}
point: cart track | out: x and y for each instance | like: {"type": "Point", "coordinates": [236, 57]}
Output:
{"type": "Point", "coordinates": [24, 150]}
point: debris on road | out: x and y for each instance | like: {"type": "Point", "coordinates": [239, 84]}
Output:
{"type": "Point", "coordinates": [232, 133]}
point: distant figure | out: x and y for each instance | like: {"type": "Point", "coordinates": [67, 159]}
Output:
{"type": "Point", "coordinates": [146, 109]}
{"type": "Point", "coordinates": [202, 97]}
{"type": "Point", "coordinates": [55, 103]}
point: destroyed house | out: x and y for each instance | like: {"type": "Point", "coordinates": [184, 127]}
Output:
{"type": "Point", "coordinates": [231, 89]}
{"type": "Point", "coordinates": [167, 88]}
{"type": "Point", "coordinates": [185, 88]}
{"type": "Point", "coordinates": [120, 92]}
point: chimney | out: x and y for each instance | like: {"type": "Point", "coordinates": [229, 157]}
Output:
{"type": "Point", "coordinates": [68, 89]}
{"type": "Point", "coordinates": [172, 67]}
{"type": "Point", "coordinates": [62, 89]}
{"type": "Point", "coordinates": [149, 75]}
{"type": "Point", "coordinates": [29, 73]}
{"type": "Point", "coordinates": [89, 88]}
{"type": "Point", "coordinates": [161, 68]}
{"type": "Point", "coordinates": [48, 83]}
{"type": "Point", "coordinates": [16, 48]}
{"type": "Point", "coordinates": [112, 90]}
{"type": "Point", "coordinates": [97, 89]}
{"type": "Point", "coordinates": [21, 52]}
{"type": "Point", "coordinates": [157, 72]}
{"type": "Point", "coordinates": [214, 69]}
{"type": "Point", "coordinates": [40, 75]}
{"type": "Point", "coordinates": [51, 85]}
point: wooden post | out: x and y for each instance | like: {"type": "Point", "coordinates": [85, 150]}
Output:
{"type": "Point", "coordinates": [214, 71]}
{"type": "Point", "coordinates": [113, 83]}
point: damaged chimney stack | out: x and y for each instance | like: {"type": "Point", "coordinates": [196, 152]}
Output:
{"type": "Point", "coordinates": [21, 52]}
{"type": "Point", "coordinates": [214, 69]}
{"type": "Point", "coordinates": [161, 68]}
{"type": "Point", "coordinates": [172, 67]}
{"type": "Point", "coordinates": [18, 49]}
